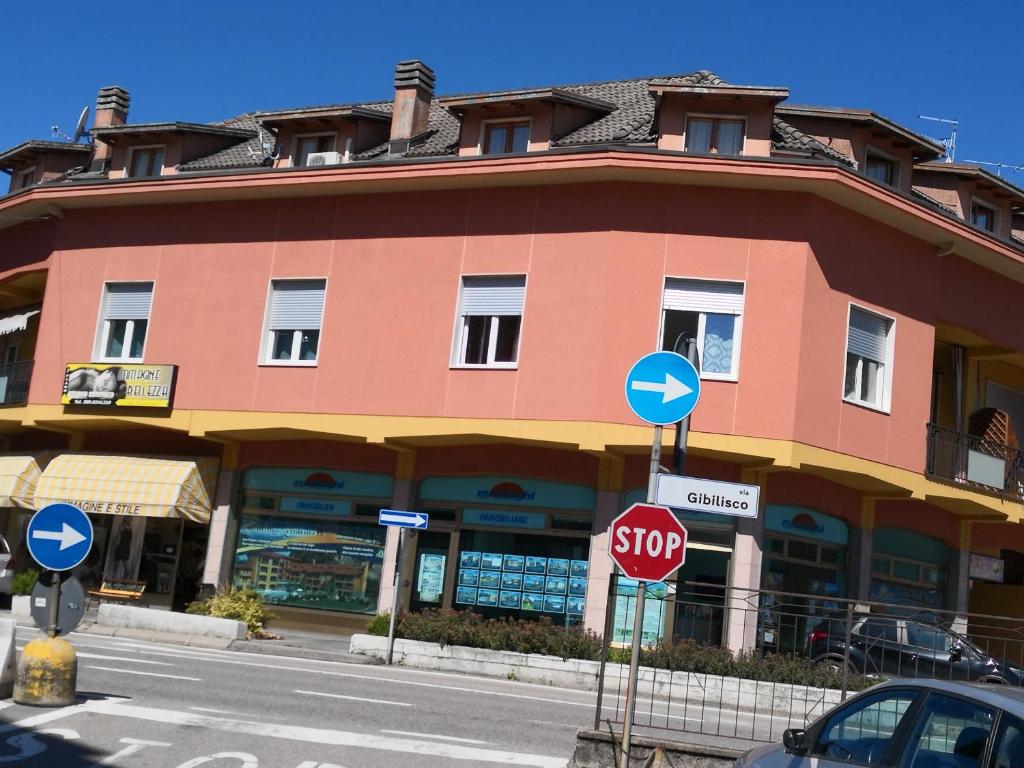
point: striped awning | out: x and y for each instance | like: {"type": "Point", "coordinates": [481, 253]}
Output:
{"type": "Point", "coordinates": [126, 485]}
{"type": "Point", "coordinates": [18, 478]}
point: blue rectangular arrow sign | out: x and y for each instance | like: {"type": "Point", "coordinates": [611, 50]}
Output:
{"type": "Point", "coordinates": [400, 519]}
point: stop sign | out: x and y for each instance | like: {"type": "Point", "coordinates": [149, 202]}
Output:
{"type": "Point", "coordinates": [647, 542]}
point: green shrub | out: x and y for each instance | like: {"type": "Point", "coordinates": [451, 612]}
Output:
{"type": "Point", "coordinates": [244, 605]}
{"type": "Point", "coordinates": [24, 582]}
{"type": "Point", "coordinates": [379, 624]}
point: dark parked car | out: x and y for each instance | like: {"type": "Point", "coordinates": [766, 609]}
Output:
{"type": "Point", "coordinates": [899, 647]}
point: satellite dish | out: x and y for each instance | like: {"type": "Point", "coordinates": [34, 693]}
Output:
{"type": "Point", "coordinates": [80, 128]}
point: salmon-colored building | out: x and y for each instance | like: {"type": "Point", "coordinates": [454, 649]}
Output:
{"type": "Point", "coordinates": [234, 343]}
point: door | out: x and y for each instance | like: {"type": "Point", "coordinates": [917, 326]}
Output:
{"type": "Point", "coordinates": [877, 641]}
{"type": "Point", "coordinates": [428, 580]}
{"type": "Point", "coordinates": [928, 653]}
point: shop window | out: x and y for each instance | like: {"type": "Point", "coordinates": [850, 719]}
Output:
{"type": "Point", "coordinates": [260, 502]}
{"type": "Point", "coordinates": [145, 161]}
{"type": "Point", "coordinates": [295, 311]}
{"type": "Point", "coordinates": [881, 168]}
{"type": "Point", "coordinates": [506, 137]}
{"type": "Point", "coordinates": [368, 510]}
{"type": "Point", "coordinates": [714, 136]}
{"type": "Point", "coordinates": [564, 523]}
{"type": "Point", "coordinates": [869, 346]}
{"type": "Point", "coordinates": [710, 311]}
{"type": "Point", "coordinates": [124, 320]}
{"type": "Point", "coordinates": [308, 145]}
{"type": "Point", "coordinates": [446, 515]}
{"type": "Point", "coordinates": [983, 216]}
{"type": "Point", "coordinates": [490, 318]}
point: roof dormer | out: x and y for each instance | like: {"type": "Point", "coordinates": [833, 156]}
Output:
{"type": "Point", "coordinates": [509, 122]}
{"type": "Point", "coordinates": [701, 114]}
{"type": "Point", "coordinates": [36, 162]}
{"type": "Point", "coordinates": [876, 146]}
{"type": "Point", "coordinates": [147, 150]}
{"type": "Point", "coordinates": [980, 198]}
{"type": "Point", "coordinates": [325, 135]}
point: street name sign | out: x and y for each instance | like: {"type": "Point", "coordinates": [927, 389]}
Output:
{"type": "Point", "coordinates": [647, 542]}
{"type": "Point", "coordinates": [59, 536]}
{"type": "Point", "coordinates": [662, 388]}
{"type": "Point", "coordinates": [695, 494]}
{"type": "Point", "coordinates": [401, 519]}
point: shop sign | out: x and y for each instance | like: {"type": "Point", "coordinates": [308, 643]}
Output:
{"type": "Point", "coordinates": [986, 568]}
{"type": "Point", "coordinates": [504, 518]}
{"type": "Point", "coordinates": [694, 493]}
{"type": "Point", "coordinates": [125, 385]}
{"type": "Point", "coordinates": [322, 482]}
{"type": "Point", "coordinates": [797, 521]}
{"type": "Point", "coordinates": [309, 506]}
{"type": "Point", "coordinates": [505, 491]}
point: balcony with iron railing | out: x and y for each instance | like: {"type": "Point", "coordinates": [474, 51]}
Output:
{"type": "Point", "coordinates": [976, 462]}
{"type": "Point", "coordinates": [14, 381]}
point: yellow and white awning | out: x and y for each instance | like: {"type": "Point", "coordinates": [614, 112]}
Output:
{"type": "Point", "coordinates": [126, 485]}
{"type": "Point", "coordinates": [18, 478]}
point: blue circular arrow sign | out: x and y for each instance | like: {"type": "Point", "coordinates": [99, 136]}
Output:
{"type": "Point", "coordinates": [662, 388]}
{"type": "Point", "coordinates": [59, 536]}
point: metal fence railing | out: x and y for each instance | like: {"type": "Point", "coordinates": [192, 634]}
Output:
{"type": "Point", "coordinates": [965, 459]}
{"type": "Point", "coordinates": [749, 664]}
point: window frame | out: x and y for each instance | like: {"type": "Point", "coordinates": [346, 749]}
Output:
{"type": "Point", "coordinates": [103, 326]}
{"type": "Point", "coordinates": [487, 125]}
{"type": "Point", "coordinates": [870, 151]}
{"type": "Point", "coordinates": [298, 137]}
{"type": "Point", "coordinates": [977, 202]}
{"type": "Point", "coordinates": [130, 161]}
{"type": "Point", "coordinates": [737, 340]}
{"type": "Point", "coordinates": [460, 332]}
{"type": "Point", "coordinates": [20, 176]}
{"type": "Point", "coordinates": [884, 404]}
{"type": "Point", "coordinates": [919, 722]}
{"type": "Point", "coordinates": [715, 119]}
{"type": "Point", "coordinates": [267, 336]}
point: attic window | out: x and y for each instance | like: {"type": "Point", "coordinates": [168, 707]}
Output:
{"type": "Point", "coordinates": [983, 216]}
{"type": "Point", "coordinates": [714, 136]}
{"type": "Point", "coordinates": [506, 137]}
{"type": "Point", "coordinates": [312, 144]}
{"type": "Point", "coordinates": [146, 161]}
{"type": "Point", "coordinates": [881, 168]}
{"type": "Point", "coordinates": [24, 178]}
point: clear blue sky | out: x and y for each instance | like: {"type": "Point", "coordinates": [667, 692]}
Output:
{"type": "Point", "coordinates": [210, 60]}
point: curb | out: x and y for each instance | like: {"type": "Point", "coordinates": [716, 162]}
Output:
{"type": "Point", "coordinates": [271, 648]}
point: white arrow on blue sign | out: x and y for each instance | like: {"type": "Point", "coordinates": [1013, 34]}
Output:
{"type": "Point", "coordinates": [662, 388]}
{"type": "Point", "coordinates": [400, 519]}
{"type": "Point", "coordinates": [59, 536]}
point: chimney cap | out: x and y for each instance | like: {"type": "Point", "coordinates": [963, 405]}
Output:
{"type": "Point", "coordinates": [113, 97]}
{"type": "Point", "coordinates": [414, 73]}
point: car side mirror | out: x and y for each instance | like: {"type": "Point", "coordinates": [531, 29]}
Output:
{"type": "Point", "coordinates": [795, 740]}
{"type": "Point", "coordinates": [956, 652]}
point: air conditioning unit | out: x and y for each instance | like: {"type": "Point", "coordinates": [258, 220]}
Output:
{"type": "Point", "coordinates": [323, 158]}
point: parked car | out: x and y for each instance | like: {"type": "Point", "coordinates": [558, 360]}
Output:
{"type": "Point", "coordinates": [911, 724]}
{"type": "Point", "coordinates": [898, 647]}
{"type": "Point", "coordinates": [6, 569]}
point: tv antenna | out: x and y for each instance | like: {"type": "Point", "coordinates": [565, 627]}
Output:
{"type": "Point", "coordinates": [57, 133]}
{"type": "Point", "coordinates": [998, 166]}
{"type": "Point", "coordinates": [269, 149]}
{"type": "Point", "coordinates": [950, 142]}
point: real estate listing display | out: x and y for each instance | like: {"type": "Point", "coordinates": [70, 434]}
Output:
{"type": "Point", "coordinates": [522, 582]}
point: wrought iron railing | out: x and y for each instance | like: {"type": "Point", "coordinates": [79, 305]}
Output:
{"type": "Point", "coordinates": [984, 465]}
{"type": "Point", "coordinates": [14, 380]}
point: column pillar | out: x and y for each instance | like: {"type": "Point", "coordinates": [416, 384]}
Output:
{"type": "Point", "coordinates": [401, 498]}
{"type": "Point", "coordinates": [745, 572]}
{"type": "Point", "coordinates": [223, 530]}
{"type": "Point", "coordinates": [609, 505]}
{"type": "Point", "coordinates": [958, 579]}
{"type": "Point", "coordinates": [862, 550]}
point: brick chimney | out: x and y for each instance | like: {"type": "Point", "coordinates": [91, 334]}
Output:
{"type": "Point", "coordinates": [111, 110]}
{"type": "Point", "coordinates": [414, 89]}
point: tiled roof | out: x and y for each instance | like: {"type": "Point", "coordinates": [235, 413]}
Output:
{"type": "Point", "coordinates": [921, 195]}
{"type": "Point", "coordinates": [787, 138]}
{"type": "Point", "coordinates": [247, 154]}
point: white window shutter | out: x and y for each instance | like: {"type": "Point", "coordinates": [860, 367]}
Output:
{"type": "Point", "coordinates": [493, 295]}
{"type": "Point", "coordinates": [296, 304]}
{"type": "Point", "coordinates": [868, 334]}
{"type": "Point", "coordinates": [127, 301]}
{"type": "Point", "coordinates": [709, 296]}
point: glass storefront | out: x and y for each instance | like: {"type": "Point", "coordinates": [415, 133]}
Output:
{"type": "Point", "coordinates": [917, 581]}
{"type": "Point", "coordinates": [505, 547]}
{"type": "Point", "coordinates": [309, 538]}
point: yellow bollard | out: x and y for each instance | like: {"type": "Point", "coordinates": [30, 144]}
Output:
{"type": "Point", "coordinates": [47, 673]}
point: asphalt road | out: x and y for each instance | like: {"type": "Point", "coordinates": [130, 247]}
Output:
{"type": "Point", "coordinates": [144, 705]}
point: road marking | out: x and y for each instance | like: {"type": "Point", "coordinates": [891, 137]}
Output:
{"type": "Point", "coordinates": [103, 657]}
{"type": "Point", "coordinates": [146, 674]}
{"type": "Point", "coordinates": [134, 745]}
{"type": "Point", "coordinates": [354, 698]}
{"type": "Point", "coordinates": [248, 761]}
{"type": "Point", "coordinates": [327, 737]}
{"type": "Point", "coordinates": [436, 736]}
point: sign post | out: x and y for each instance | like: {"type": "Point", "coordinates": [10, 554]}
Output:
{"type": "Point", "coordinates": [661, 388]}
{"type": "Point", "coordinates": [59, 537]}
{"type": "Point", "coordinates": [395, 518]}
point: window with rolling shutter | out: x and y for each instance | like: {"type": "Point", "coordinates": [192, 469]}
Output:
{"type": "Point", "coordinates": [124, 320]}
{"type": "Point", "coordinates": [868, 357]}
{"type": "Point", "coordinates": [295, 311]}
{"type": "Point", "coordinates": [490, 318]}
{"type": "Point", "coordinates": [711, 311]}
